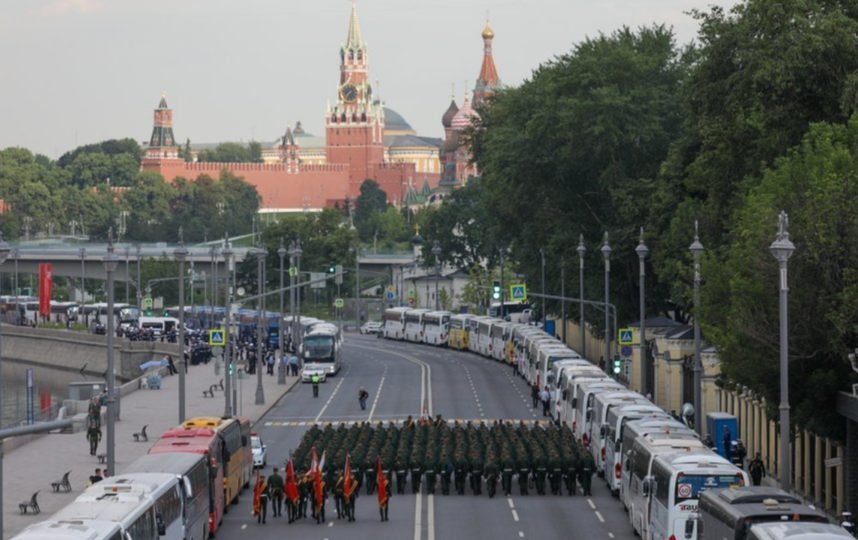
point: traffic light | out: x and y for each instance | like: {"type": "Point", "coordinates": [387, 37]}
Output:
{"type": "Point", "coordinates": [231, 367]}
{"type": "Point", "coordinates": [149, 313]}
{"type": "Point", "coordinates": [618, 364]}
{"type": "Point", "coordinates": [496, 290]}
{"type": "Point", "coordinates": [332, 268]}
{"type": "Point", "coordinates": [166, 314]}
{"type": "Point", "coordinates": [339, 271]}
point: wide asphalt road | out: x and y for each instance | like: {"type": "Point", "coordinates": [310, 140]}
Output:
{"type": "Point", "coordinates": [406, 379]}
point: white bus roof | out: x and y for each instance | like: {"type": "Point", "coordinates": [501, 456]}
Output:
{"type": "Point", "coordinates": [69, 530]}
{"type": "Point", "coordinates": [164, 463]}
{"type": "Point", "coordinates": [694, 460]}
{"type": "Point", "coordinates": [798, 530]}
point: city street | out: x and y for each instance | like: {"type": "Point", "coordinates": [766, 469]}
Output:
{"type": "Point", "coordinates": [404, 379]}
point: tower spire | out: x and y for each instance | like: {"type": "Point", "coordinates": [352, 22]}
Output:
{"type": "Point", "coordinates": [354, 40]}
{"type": "Point", "coordinates": [488, 82]}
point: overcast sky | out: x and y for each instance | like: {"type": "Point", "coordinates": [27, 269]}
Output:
{"type": "Point", "coordinates": [74, 72]}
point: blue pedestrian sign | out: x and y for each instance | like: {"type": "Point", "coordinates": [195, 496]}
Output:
{"type": "Point", "coordinates": [626, 336]}
{"type": "Point", "coordinates": [217, 338]}
{"type": "Point", "coordinates": [626, 351]}
{"type": "Point", "coordinates": [391, 296]}
{"type": "Point", "coordinates": [518, 292]}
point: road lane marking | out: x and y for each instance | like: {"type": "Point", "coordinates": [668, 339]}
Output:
{"type": "Point", "coordinates": [593, 506]}
{"type": "Point", "coordinates": [377, 395]}
{"type": "Point", "coordinates": [430, 512]}
{"type": "Point", "coordinates": [515, 515]}
{"type": "Point", "coordinates": [418, 517]}
{"type": "Point", "coordinates": [599, 515]}
{"type": "Point", "coordinates": [331, 524]}
{"type": "Point", "coordinates": [425, 377]}
{"type": "Point", "coordinates": [521, 534]}
{"type": "Point", "coordinates": [610, 535]}
{"type": "Point", "coordinates": [334, 393]}
{"type": "Point", "coordinates": [511, 504]}
{"type": "Point", "coordinates": [244, 526]}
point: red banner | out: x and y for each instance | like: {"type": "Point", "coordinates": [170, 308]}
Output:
{"type": "Point", "coordinates": [45, 289]}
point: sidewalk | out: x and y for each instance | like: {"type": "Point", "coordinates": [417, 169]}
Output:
{"type": "Point", "coordinates": [36, 464]}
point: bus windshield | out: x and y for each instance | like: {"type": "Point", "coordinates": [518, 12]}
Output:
{"type": "Point", "coordinates": [690, 486]}
{"type": "Point", "coordinates": [319, 348]}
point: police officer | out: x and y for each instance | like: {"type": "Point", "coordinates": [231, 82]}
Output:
{"type": "Point", "coordinates": [315, 379]}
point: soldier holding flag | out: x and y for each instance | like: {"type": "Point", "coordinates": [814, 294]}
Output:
{"type": "Point", "coordinates": [383, 485]}
{"type": "Point", "coordinates": [292, 495]}
{"type": "Point", "coordinates": [349, 491]}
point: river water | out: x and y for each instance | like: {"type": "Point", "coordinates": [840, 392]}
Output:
{"type": "Point", "coordinates": [50, 387]}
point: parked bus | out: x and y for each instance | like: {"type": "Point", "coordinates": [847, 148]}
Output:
{"type": "Point", "coordinates": [124, 314]}
{"type": "Point", "coordinates": [146, 506]}
{"type": "Point", "coordinates": [78, 529]}
{"type": "Point", "coordinates": [458, 337]}
{"type": "Point", "coordinates": [64, 312]}
{"type": "Point", "coordinates": [484, 336]}
{"type": "Point", "coordinates": [549, 353]}
{"type": "Point", "coordinates": [414, 325]}
{"type": "Point", "coordinates": [205, 442]}
{"type": "Point", "coordinates": [730, 514]}
{"type": "Point", "coordinates": [193, 469]}
{"type": "Point", "coordinates": [322, 347]}
{"type": "Point", "coordinates": [564, 410]}
{"type": "Point", "coordinates": [615, 424]}
{"type": "Point", "coordinates": [159, 326]}
{"type": "Point", "coordinates": [436, 327]}
{"type": "Point", "coordinates": [792, 530]}
{"type": "Point", "coordinates": [677, 482]}
{"type": "Point", "coordinates": [602, 404]}
{"type": "Point", "coordinates": [394, 323]}
{"type": "Point", "coordinates": [238, 456]}
{"type": "Point", "coordinates": [583, 397]}
{"type": "Point", "coordinates": [500, 337]}
{"type": "Point", "coordinates": [474, 333]}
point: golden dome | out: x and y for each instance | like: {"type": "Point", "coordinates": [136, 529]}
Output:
{"type": "Point", "coordinates": [488, 33]}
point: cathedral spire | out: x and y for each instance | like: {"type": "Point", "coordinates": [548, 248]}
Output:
{"type": "Point", "coordinates": [488, 82]}
{"type": "Point", "coordinates": [354, 40]}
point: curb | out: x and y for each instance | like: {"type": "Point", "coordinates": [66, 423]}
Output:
{"type": "Point", "coordinates": [289, 388]}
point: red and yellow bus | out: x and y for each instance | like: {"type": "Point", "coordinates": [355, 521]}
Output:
{"type": "Point", "coordinates": [237, 453]}
{"type": "Point", "coordinates": [204, 441]}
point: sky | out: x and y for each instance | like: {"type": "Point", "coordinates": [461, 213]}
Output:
{"type": "Point", "coordinates": [75, 72]}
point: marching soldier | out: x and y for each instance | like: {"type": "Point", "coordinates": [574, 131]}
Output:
{"type": "Point", "coordinates": [370, 477]}
{"type": "Point", "coordinates": [349, 500]}
{"type": "Point", "coordinates": [506, 473]}
{"type": "Point", "coordinates": [401, 472]}
{"type": "Point", "coordinates": [338, 495]}
{"type": "Point", "coordinates": [416, 475]}
{"type": "Point", "coordinates": [587, 464]}
{"type": "Point", "coordinates": [460, 473]}
{"type": "Point", "coordinates": [384, 496]}
{"type": "Point", "coordinates": [446, 474]}
{"type": "Point", "coordinates": [555, 472]}
{"type": "Point", "coordinates": [491, 476]}
{"type": "Point", "coordinates": [304, 488]}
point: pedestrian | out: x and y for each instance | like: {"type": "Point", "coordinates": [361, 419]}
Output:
{"type": "Point", "coordinates": [534, 394]}
{"type": "Point", "coordinates": [726, 439]}
{"type": "Point", "coordinates": [93, 435]}
{"type": "Point", "coordinates": [363, 395]}
{"type": "Point", "coordinates": [738, 453]}
{"type": "Point", "coordinates": [260, 499]}
{"type": "Point", "coordinates": [515, 369]}
{"type": "Point", "coordinates": [315, 379]}
{"type": "Point", "coordinates": [545, 398]}
{"type": "Point", "coordinates": [95, 478]}
{"type": "Point", "coordinates": [757, 469]}
{"type": "Point", "coordinates": [171, 365]}
{"type": "Point", "coordinates": [275, 490]}
{"type": "Point", "coordinates": [293, 363]}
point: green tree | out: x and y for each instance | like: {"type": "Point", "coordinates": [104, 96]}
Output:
{"type": "Point", "coordinates": [231, 152]}
{"type": "Point", "coordinates": [371, 198]}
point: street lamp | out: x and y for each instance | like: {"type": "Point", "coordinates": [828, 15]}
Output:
{"type": "Point", "coordinates": [582, 250]}
{"type": "Point", "coordinates": [110, 262]}
{"type": "Point", "coordinates": [139, 292]}
{"type": "Point", "coordinates": [181, 253]}
{"type": "Point", "coordinates": [696, 249]}
{"type": "Point", "coordinates": [227, 319]}
{"type": "Point", "coordinates": [260, 253]}
{"type": "Point", "coordinates": [642, 252]}
{"type": "Point", "coordinates": [436, 251]}
{"type": "Point", "coordinates": [782, 248]}
{"type": "Point", "coordinates": [606, 253]}
{"type": "Point", "coordinates": [127, 274]}
{"type": "Point", "coordinates": [4, 254]}
{"type": "Point", "coordinates": [280, 337]}
{"type": "Point", "coordinates": [82, 253]}
{"type": "Point", "coordinates": [544, 310]}
{"type": "Point", "coordinates": [296, 323]}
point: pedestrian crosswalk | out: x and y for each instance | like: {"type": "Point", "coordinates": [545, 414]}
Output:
{"type": "Point", "coordinates": [399, 421]}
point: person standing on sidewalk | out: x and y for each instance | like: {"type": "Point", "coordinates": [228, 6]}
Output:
{"type": "Point", "coordinates": [363, 395]}
{"type": "Point", "coordinates": [93, 435]}
{"type": "Point", "coordinates": [545, 398]}
{"type": "Point", "coordinates": [757, 469]}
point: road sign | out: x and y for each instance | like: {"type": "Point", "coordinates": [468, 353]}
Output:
{"type": "Point", "coordinates": [627, 351]}
{"type": "Point", "coordinates": [626, 336]}
{"type": "Point", "coordinates": [293, 271]}
{"type": "Point", "coordinates": [217, 338]}
{"type": "Point", "coordinates": [317, 276]}
{"type": "Point", "coordinates": [391, 288]}
{"type": "Point", "coordinates": [147, 302]}
{"type": "Point", "coordinates": [390, 296]}
{"type": "Point", "coordinates": [518, 292]}
{"type": "Point", "coordinates": [338, 303]}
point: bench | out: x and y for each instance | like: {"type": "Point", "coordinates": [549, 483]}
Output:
{"type": "Point", "coordinates": [63, 484]}
{"type": "Point", "coordinates": [32, 504]}
{"type": "Point", "coordinates": [102, 458]}
{"type": "Point", "coordinates": [141, 436]}
{"type": "Point", "coordinates": [219, 385]}
{"type": "Point", "coordinates": [209, 392]}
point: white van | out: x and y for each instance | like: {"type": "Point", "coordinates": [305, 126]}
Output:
{"type": "Point", "coordinates": [159, 325]}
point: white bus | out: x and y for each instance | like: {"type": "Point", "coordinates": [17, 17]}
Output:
{"type": "Point", "coordinates": [563, 409]}
{"type": "Point", "coordinates": [501, 333]}
{"type": "Point", "coordinates": [124, 314]}
{"type": "Point", "coordinates": [394, 323]}
{"type": "Point", "coordinates": [675, 485]}
{"type": "Point", "coordinates": [582, 397]}
{"type": "Point", "coordinates": [526, 345]}
{"type": "Point", "coordinates": [484, 336]}
{"type": "Point", "coordinates": [436, 327]}
{"type": "Point", "coordinates": [615, 424]}
{"type": "Point", "coordinates": [793, 530]}
{"type": "Point", "coordinates": [197, 495]}
{"type": "Point", "coordinates": [159, 325]}
{"type": "Point", "coordinates": [638, 429]}
{"type": "Point", "coordinates": [414, 325]}
{"type": "Point", "coordinates": [602, 404]}
{"type": "Point", "coordinates": [72, 530]}
{"type": "Point", "coordinates": [146, 506]}
{"type": "Point", "coordinates": [322, 348]}
{"type": "Point", "coordinates": [474, 332]}
{"type": "Point", "coordinates": [546, 355]}
{"type": "Point", "coordinates": [640, 460]}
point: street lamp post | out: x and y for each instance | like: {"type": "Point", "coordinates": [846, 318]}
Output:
{"type": "Point", "coordinates": [4, 254]}
{"type": "Point", "coordinates": [696, 249]}
{"type": "Point", "coordinates": [297, 338]}
{"type": "Point", "coordinates": [227, 320]}
{"type": "Point", "coordinates": [280, 336]}
{"type": "Point", "coordinates": [127, 275]}
{"type": "Point", "coordinates": [181, 253]}
{"type": "Point", "coordinates": [139, 292]}
{"type": "Point", "coordinates": [642, 252]}
{"type": "Point", "coordinates": [110, 262]}
{"type": "Point", "coordinates": [357, 282]}
{"type": "Point", "coordinates": [582, 250]}
{"type": "Point", "coordinates": [606, 253]}
{"type": "Point", "coordinates": [82, 252]}
{"type": "Point", "coordinates": [436, 251]}
{"type": "Point", "coordinates": [544, 310]}
{"type": "Point", "coordinates": [563, 294]}
{"type": "Point", "coordinates": [782, 248]}
{"type": "Point", "coordinates": [260, 253]}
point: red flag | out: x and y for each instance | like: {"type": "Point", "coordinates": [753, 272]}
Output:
{"type": "Point", "coordinates": [317, 485]}
{"type": "Point", "coordinates": [314, 462]}
{"type": "Point", "coordinates": [291, 485]}
{"type": "Point", "coordinates": [257, 495]}
{"type": "Point", "coordinates": [348, 484]}
{"type": "Point", "coordinates": [382, 484]}
{"type": "Point", "coordinates": [45, 289]}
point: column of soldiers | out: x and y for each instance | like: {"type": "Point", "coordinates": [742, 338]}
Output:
{"type": "Point", "coordinates": [543, 457]}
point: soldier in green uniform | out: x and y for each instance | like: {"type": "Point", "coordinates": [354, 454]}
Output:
{"type": "Point", "coordinates": [540, 472]}
{"type": "Point", "coordinates": [461, 472]}
{"type": "Point", "coordinates": [338, 495]}
{"type": "Point", "coordinates": [523, 473]}
{"type": "Point", "coordinates": [401, 471]}
{"type": "Point", "coordinates": [588, 465]}
{"type": "Point", "coordinates": [507, 470]}
{"type": "Point", "coordinates": [430, 462]}
{"type": "Point", "coordinates": [555, 471]}
{"type": "Point", "coordinates": [304, 488]}
{"type": "Point", "coordinates": [491, 473]}
{"type": "Point", "coordinates": [370, 473]}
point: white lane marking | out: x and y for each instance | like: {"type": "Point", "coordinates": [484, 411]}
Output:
{"type": "Point", "coordinates": [515, 515]}
{"type": "Point", "coordinates": [331, 524]}
{"type": "Point", "coordinates": [425, 377]}
{"type": "Point", "coordinates": [418, 517]}
{"type": "Point", "coordinates": [430, 512]}
{"type": "Point", "coordinates": [511, 504]}
{"type": "Point", "coordinates": [244, 526]}
{"type": "Point", "coordinates": [593, 506]}
{"type": "Point", "coordinates": [610, 535]}
{"type": "Point", "coordinates": [330, 399]}
{"type": "Point", "coordinates": [377, 395]}
{"type": "Point", "coordinates": [521, 534]}
{"type": "Point", "coordinates": [599, 515]}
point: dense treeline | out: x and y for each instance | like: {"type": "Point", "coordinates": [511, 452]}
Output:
{"type": "Point", "coordinates": [632, 130]}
